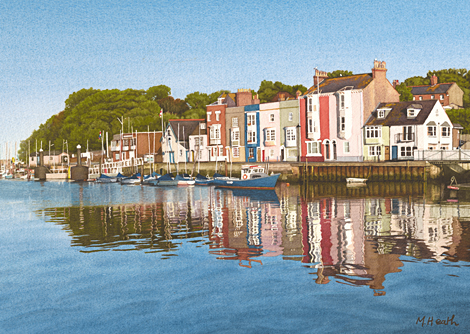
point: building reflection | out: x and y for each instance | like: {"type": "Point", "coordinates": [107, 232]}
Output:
{"type": "Point", "coordinates": [351, 239]}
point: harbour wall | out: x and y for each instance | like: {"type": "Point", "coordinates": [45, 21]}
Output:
{"type": "Point", "coordinates": [405, 171]}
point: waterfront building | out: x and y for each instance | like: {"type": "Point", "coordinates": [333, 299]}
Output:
{"type": "Point", "coordinates": [175, 142]}
{"type": "Point", "coordinates": [450, 95]}
{"type": "Point", "coordinates": [235, 133]}
{"type": "Point", "coordinates": [216, 119]}
{"type": "Point", "coordinates": [270, 130]}
{"type": "Point", "coordinates": [252, 133]}
{"type": "Point", "coordinates": [289, 124]}
{"type": "Point", "coordinates": [146, 145]}
{"type": "Point", "coordinates": [198, 142]}
{"type": "Point", "coordinates": [335, 109]}
{"type": "Point", "coordinates": [399, 130]}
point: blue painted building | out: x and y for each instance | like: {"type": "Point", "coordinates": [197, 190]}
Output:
{"type": "Point", "coordinates": [252, 133]}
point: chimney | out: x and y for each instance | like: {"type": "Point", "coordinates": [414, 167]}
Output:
{"type": "Point", "coordinates": [433, 80]}
{"type": "Point", "coordinates": [395, 83]}
{"type": "Point", "coordinates": [319, 77]}
{"type": "Point", "coordinates": [298, 93]}
{"type": "Point", "coordinates": [379, 69]}
{"type": "Point", "coordinates": [282, 96]}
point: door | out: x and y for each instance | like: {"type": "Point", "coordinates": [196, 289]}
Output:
{"type": "Point", "coordinates": [387, 153]}
{"type": "Point", "coordinates": [334, 151]}
{"type": "Point", "coordinates": [394, 152]}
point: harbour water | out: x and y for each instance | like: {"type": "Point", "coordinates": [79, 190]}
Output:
{"type": "Point", "coordinates": [106, 258]}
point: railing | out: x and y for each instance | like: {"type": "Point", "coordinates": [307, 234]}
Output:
{"type": "Point", "coordinates": [115, 167]}
{"type": "Point", "coordinates": [404, 137]}
{"type": "Point", "coordinates": [442, 155]}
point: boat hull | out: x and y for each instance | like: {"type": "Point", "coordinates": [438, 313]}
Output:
{"type": "Point", "coordinates": [268, 182]}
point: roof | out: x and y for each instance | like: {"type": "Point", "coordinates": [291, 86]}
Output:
{"type": "Point", "coordinates": [189, 126]}
{"type": "Point", "coordinates": [330, 85]}
{"type": "Point", "coordinates": [398, 113]}
{"type": "Point", "coordinates": [439, 88]}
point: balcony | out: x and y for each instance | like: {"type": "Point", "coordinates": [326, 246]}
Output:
{"type": "Point", "coordinates": [215, 142]}
{"type": "Point", "coordinates": [404, 137]}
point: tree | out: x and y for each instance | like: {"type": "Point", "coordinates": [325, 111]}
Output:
{"type": "Point", "coordinates": [417, 81]}
{"type": "Point", "coordinates": [268, 89]}
{"type": "Point", "coordinates": [174, 106]}
{"type": "Point", "coordinates": [157, 93]}
{"type": "Point", "coordinates": [405, 92]}
{"type": "Point", "coordinates": [460, 116]}
{"type": "Point", "coordinates": [339, 73]}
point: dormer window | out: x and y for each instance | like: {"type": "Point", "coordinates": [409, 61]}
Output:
{"type": "Point", "coordinates": [411, 113]}
{"type": "Point", "coordinates": [381, 114]}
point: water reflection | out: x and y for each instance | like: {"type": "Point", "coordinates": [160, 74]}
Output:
{"type": "Point", "coordinates": [353, 236]}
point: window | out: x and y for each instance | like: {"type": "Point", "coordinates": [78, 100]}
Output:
{"type": "Point", "coordinates": [343, 123]}
{"type": "Point", "coordinates": [407, 134]}
{"type": "Point", "coordinates": [271, 153]}
{"type": "Point", "coordinates": [215, 132]}
{"type": "Point", "coordinates": [208, 116]}
{"type": "Point", "coordinates": [181, 153]}
{"type": "Point", "coordinates": [217, 116]}
{"type": "Point", "coordinates": [381, 114]}
{"type": "Point", "coordinates": [291, 117]}
{"type": "Point", "coordinates": [346, 147]}
{"type": "Point", "coordinates": [309, 125]}
{"type": "Point", "coordinates": [234, 122]}
{"type": "Point", "coordinates": [310, 104]}
{"type": "Point", "coordinates": [271, 117]}
{"type": "Point", "coordinates": [221, 151]}
{"type": "Point", "coordinates": [420, 98]}
{"type": "Point", "coordinates": [313, 147]}
{"type": "Point", "coordinates": [251, 152]}
{"type": "Point", "coordinates": [373, 132]}
{"type": "Point", "coordinates": [411, 113]}
{"type": "Point", "coordinates": [251, 137]}
{"type": "Point", "coordinates": [374, 151]}
{"type": "Point", "coordinates": [441, 97]}
{"type": "Point", "coordinates": [235, 137]}
{"type": "Point", "coordinates": [341, 101]}
{"type": "Point", "coordinates": [414, 98]}
{"type": "Point", "coordinates": [270, 135]}
{"type": "Point", "coordinates": [251, 119]}
{"type": "Point", "coordinates": [432, 97]}
{"type": "Point", "coordinates": [235, 152]}
{"type": "Point", "coordinates": [290, 134]}
{"type": "Point", "coordinates": [431, 131]}
{"type": "Point", "coordinates": [406, 151]}
{"type": "Point", "coordinates": [445, 131]}
{"type": "Point", "coordinates": [116, 156]}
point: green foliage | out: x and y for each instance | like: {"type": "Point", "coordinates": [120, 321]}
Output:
{"type": "Point", "coordinates": [268, 89]}
{"type": "Point", "coordinates": [405, 92]}
{"type": "Point", "coordinates": [157, 93]}
{"type": "Point", "coordinates": [460, 116]}
{"type": "Point", "coordinates": [173, 106]}
{"type": "Point", "coordinates": [417, 81]}
{"type": "Point", "coordinates": [339, 73]}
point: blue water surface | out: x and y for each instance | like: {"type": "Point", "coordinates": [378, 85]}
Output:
{"type": "Point", "coordinates": [66, 266]}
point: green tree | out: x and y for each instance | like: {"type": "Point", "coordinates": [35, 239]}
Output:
{"type": "Point", "coordinates": [460, 116]}
{"type": "Point", "coordinates": [339, 73]}
{"type": "Point", "coordinates": [405, 92]}
{"type": "Point", "coordinates": [157, 93]}
{"type": "Point", "coordinates": [268, 89]}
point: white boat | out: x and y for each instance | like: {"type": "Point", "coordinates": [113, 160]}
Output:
{"type": "Point", "coordinates": [355, 180]}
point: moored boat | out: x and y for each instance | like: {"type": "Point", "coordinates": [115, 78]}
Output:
{"type": "Point", "coordinates": [134, 179]}
{"type": "Point", "coordinates": [355, 180]}
{"type": "Point", "coordinates": [252, 177]}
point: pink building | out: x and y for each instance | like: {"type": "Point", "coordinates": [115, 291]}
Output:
{"type": "Point", "coordinates": [270, 131]}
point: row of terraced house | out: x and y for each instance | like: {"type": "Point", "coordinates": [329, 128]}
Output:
{"type": "Point", "coordinates": [353, 118]}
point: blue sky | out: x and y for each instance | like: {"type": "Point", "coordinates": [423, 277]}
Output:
{"type": "Point", "coordinates": [49, 48]}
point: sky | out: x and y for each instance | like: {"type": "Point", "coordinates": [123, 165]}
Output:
{"type": "Point", "coordinates": [52, 48]}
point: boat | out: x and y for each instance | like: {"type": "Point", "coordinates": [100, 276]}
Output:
{"type": "Point", "coordinates": [184, 180]}
{"type": "Point", "coordinates": [169, 180]}
{"type": "Point", "coordinates": [148, 179]}
{"type": "Point", "coordinates": [355, 180]}
{"type": "Point", "coordinates": [103, 178]}
{"type": "Point", "coordinates": [134, 179]}
{"type": "Point", "coordinates": [252, 177]}
{"type": "Point", "coordinates": [202, 180]}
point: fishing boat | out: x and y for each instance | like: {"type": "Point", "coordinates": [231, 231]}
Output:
{"type": "Point", "coordinates": [252, 177]}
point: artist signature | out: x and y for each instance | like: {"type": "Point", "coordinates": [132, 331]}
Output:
{"type": "Point", "coordinates": [430, 321]}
